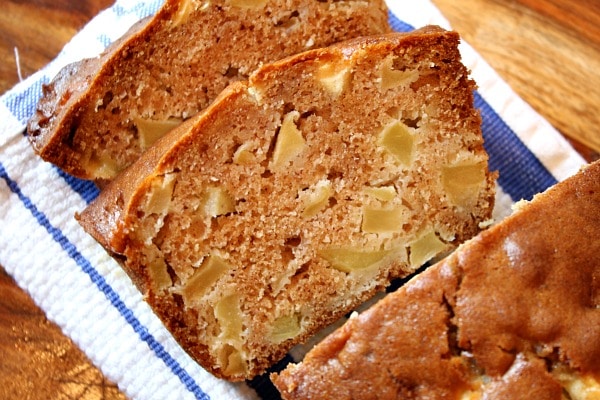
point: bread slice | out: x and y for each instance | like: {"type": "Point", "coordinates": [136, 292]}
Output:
{"type": "Point", "coordinates": [99, 114]}
{"type": "Point", "coordinates": [299, 194]}
{"type": "Point", "coordinates": [512, 314]}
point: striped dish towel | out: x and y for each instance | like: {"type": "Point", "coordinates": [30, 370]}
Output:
{"type": "Point", "coordinates": [87, 294]}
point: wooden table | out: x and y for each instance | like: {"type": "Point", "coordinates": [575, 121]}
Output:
{"type": "Point", "coordinates": [547, 50]}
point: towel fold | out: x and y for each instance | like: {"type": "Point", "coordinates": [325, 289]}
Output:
{"type": "Point", "coordinates": [86, 293]}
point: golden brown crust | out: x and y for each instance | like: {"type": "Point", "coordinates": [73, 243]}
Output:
{"type": "Point", "coordinates": [299, 194]}
{"type": "Point", "coordinates": [513, 313]}
{"type": "Point", "coordinates": [92, 119]}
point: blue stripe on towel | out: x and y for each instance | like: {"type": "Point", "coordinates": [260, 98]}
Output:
{"type": "Point", "coordinates": [104, 287]}
{"type": "Point", "coordinates": [21, 107]}
{"type": "Point", "coordinates": [86, 189]}
{"type": "Point", "coordinates": [22, 104]}
{"type": "Point", "coordinates": [522, 175]}
{"type": "Point", "coordinates": [398, 25]}
{"type": "Point", "coordinates": [140, 10]}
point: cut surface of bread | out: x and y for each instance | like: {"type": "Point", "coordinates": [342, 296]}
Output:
{"type": "Point", "coordinates": [298, 194]}
{"type": "Point", "coordinates": [98, 115]}
{"type": "Point", "coordinates": [513, 313]}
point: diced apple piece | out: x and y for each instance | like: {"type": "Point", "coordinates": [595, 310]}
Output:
{"type": "Point", "coordinates": [350, 259]}
{"type": "Point", "coordinates": [334, 77]}
{"type": "Point", "coordinates": [185, 7]}
{"type": "Point", "coordinates": [285, 327]}
{"type": "Point", "coordinates": [248, 3]}
{"type": "Point", "coordinates": [383, 193]}
{"type": "Point", "coordinates": [463, 181]}
{"type": "Point", "coordinates": [578, 387]}
{"type": "Point", "coordinates": [217, 201]}
{"type": "Point", "coordinates": [317, 199]}
{"type": "Point", "coordinates": [231, 360]}
{"type": "Point", "coordinates": [290, 141]}
{"type": "Point", "coordinates": [243, 155]}
{"type": "Point", "coordinates": [149, 131]}
{"type": "Point", "coordinates": [159, 196]}
{"type": "Point", "coordinates": [157, 269]}
{"type": "Point", "coordinates": [470, 395]}
{"type": "Point", "coordinates": [211, 269]}
{"type": "Point", "coordinates": [289, 22]}
{"type": "Point", "coordinates": [103, 166]}
{"type": "Point", "coordinates": [391, 78]}
{"type": "Point", "coordinates": [583, 388]}
{"type": "Point", "coordinates": [256, 93]}
{"type": "Point", "coordinates": [382, 220]}
{"type": "Point", "coordinates": [425, 248]}
{"type": "Point", "coordinates": [397, 139]}
{"type": "Point", "coordinates": [229, 315]}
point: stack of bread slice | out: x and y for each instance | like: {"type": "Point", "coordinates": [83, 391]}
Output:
{"type": "Point", "coordinates": [301, 190]}
{"type": "Point", "coordinates": [98, 115]}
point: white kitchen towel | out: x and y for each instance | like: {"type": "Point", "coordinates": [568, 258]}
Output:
{"type": "Point", "coordinates": [87, 294]}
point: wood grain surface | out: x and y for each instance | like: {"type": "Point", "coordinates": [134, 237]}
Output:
{"type": "Point", "coordinates": [547, 50]}
{"type": "Point", "coordinates": [549, 53]}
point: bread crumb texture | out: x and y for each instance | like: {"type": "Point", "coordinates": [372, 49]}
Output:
{"type": "Point", "coordinates": [301, 193]}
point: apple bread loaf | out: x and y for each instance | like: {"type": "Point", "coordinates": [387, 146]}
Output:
{"type": "Point", "coordinates": [98, 115]}
{"type": "Point", "coordinates": [299, 194]}
{"type": "Point", "coordinates": [514, 313]}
